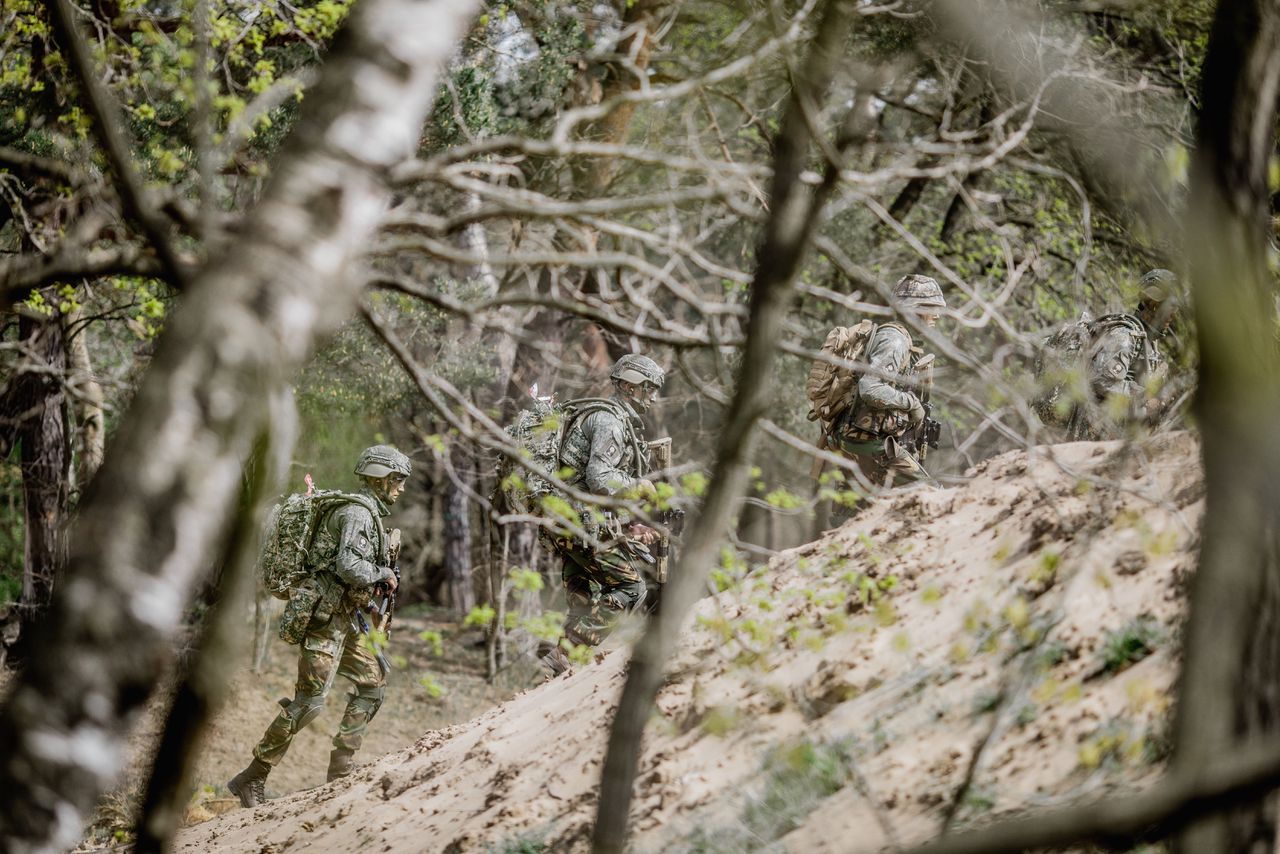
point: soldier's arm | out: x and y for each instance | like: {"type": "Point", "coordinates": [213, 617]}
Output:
{"type": "Point", "coordinates": [889, 355]}
{"type": "Point", "coordinates": [1110, 364]}
{"type": "Point", "coordinates": [608, 446]}
{"type": "Point", "coordinates": [357, 559]}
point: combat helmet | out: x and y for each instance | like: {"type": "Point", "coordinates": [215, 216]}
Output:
{"type": "Point", "coordinates": [916, 291]}
{"type": "Point", "coordinates": [382, 460]}
{"type": "Point", "coordinates": [1158, 302]}
{"type": "Point", "coordinates": [637, 370]}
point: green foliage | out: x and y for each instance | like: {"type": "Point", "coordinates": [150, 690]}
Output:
{"type": "Point", "coordinates": [481, 616]}
{"type": "Point", "coordinates": [524, 843]}
{"type": "Point", "coordinates": [434, 640]}
{"type": "Point", "coordinates": [433, 688]}
{"type": "Point", "coordinates": [1135, 641]}
{"type": "Point", "coordinates": [796, 778]}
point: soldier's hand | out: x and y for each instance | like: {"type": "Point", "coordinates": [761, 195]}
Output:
{"type": "Point", "coordinates": [915, 415]}
{"type": "Point", "coordinates": [645, 489]}
{"type": "Point", "coordinates": [391, 581]}
{"type": "Point", "coordinates": [643, 533]}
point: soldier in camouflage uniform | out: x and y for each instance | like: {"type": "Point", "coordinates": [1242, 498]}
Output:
{"type": "Point", "coordinates": [887, 408]}
{"type": "Point", "coordinates": [1126, 369]}
{"type": "Point", "coordinates": [607, 451]}
{"type": "Point", "coordinates": [351, 557]}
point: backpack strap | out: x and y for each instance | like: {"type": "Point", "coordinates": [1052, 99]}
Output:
{"type": "Point", "coordinates": [578, 409]}
{"type": "Point", "coordinates": [338, 500]}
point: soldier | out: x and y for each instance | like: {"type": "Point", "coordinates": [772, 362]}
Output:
{"type": "Point", "coordinates": [607, 452]}
{"type": "Point", "coordinates": [874, 430]}
{"type": "Point", "coordinates": [352, 555]}
{"type": "Point", "coordinates": [1124, 367]}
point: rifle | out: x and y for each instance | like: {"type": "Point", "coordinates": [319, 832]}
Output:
{"type": "Point", "coordinates": [361, 626]}
{"type": "Point", "coordinates": [387, 606]}
{"type": "Point", "coordinates": [929, 431]}
{"type": "Point", "coordinates": [672, 518]}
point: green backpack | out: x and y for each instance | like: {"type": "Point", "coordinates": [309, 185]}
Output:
{"type": "Point", "coordinates": [539, 432]}
{"type": "Point", "coordinates": [284, 561]}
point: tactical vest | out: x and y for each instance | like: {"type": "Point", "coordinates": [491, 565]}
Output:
{"type": "Point", "coordinates": [861, 423]}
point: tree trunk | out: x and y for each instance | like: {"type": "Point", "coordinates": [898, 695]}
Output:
{"type": "Point", "coordinates": [44, 458]}
{"type": "Point", "coordinates": [461, 594]}
{"type": "Point", "coordinates": [795, 210]}
{"type": "Point", "coordinates": [1230, 690]}
{"type": "Point", "coordinates": [91, 437]}
{"type": "Point", "coordinates": [207, 679]}
{"type": "Point", "coordinates": [158, 511]}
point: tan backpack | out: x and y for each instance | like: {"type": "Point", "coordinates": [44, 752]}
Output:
{"type": "Point", "coordinates": [831, 389]}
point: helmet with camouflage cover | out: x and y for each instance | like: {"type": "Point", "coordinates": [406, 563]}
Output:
{"type": "Point", "coordinates": [1158, 303]}
{"type": "Point", "coordinates": [382, 460]}
{"type": "Point", "coordinates": [916, 291]}
{"type": "Point", "coordinates": [637, 370]}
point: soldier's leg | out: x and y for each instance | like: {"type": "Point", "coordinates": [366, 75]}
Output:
{"type": "Point", "coordinates": [582, 590]}
{"type": "Point", "coordinates": [621, 579]}
{"type": "Point", "coordinates": [359, 665]}
{"type": "Point", "coordinates": [317, 666]}
{"type": "Point", "coordinates": [902, 466]}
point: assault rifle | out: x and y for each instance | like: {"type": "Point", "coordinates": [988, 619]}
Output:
{"type": "Point", "coordinates": [925, 435]}
{"type": "Point", "coordinates": [387, 606]}
{"type": "Point", "coordinates": [382, 610]}
{"type": "Point", "coordinates": [672, 518]}
{"type": "Point", "coordinates": [361, 626]}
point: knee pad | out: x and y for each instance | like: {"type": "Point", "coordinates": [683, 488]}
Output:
{"type": "Point", "coordinates": [368, 699]}
{"type": "Point", "coordinates": [303, 710]}
{"type": "Point", "coordinates": [624, 597]}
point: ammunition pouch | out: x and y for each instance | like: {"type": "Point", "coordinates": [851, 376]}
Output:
{"type": "Point", "coordinates": [298, 614]}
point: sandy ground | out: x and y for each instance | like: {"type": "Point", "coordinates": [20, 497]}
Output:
{"type": "Point", "coordinates": [945, 657]}
{"type": "Point", "coordinates": [411, 707]}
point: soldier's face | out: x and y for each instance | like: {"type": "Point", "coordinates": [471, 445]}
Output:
{"type": "Point", "coordinates": [642, 396]}
{"type": "Point", "coordinates": [392, 488]}
{"type": "Point", "coordinates": [928, 316]}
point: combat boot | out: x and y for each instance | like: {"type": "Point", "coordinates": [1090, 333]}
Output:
{"type": "Point", "coordinates": [340, 763]}
{"type": "Point", "coordinates": [249, 785]}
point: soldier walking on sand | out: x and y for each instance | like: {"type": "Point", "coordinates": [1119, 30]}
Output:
{"type": "Point", "coordinates": [877, 431]}
{"type": "Point", "coordinates": [351, 556]}
{"type": "Point", "coordinates": [1099, 376]}
{"type": "Point", "coordinates": [607, 451]}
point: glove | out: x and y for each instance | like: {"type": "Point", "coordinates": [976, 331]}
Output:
{"type": "Point", "coordinates": [915, 415]}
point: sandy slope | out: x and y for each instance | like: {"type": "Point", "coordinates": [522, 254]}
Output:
{"type": "Point", "coordinates": [950, 646]}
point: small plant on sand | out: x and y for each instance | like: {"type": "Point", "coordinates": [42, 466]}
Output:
{"type": "Point", "coordinates": [525, 843]}
{"type": "Point", "coordinates": [796, 778]}
{"type": "Point", "coordinates": [1132, 643]}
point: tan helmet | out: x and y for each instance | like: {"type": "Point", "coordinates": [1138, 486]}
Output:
{"type": "Point", "coordinates": [637, 370]}
{"type": "Point", "coordinates": [916, 291]}
{"type": "Point", "coordinates": [382, 460]}
{"type": "Point", "coordinates": [1158, 302]}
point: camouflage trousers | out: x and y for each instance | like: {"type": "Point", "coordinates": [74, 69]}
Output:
{"type": "Point", "coordinates": [601, 585]}
{"type": "Point", "coordinates": [331, 649]}
{"type": "Point", "coordinates": [883, 462]}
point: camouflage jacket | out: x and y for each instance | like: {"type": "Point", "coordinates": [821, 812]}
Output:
{"type": "Point", "coordinates": [881, 406]}
{"type": "Point", "coordinates": [1123, 358]}
{"type": "Point", "coordinates": [607, 449]}
{"type": "Point", "coordinates": [350, 555]}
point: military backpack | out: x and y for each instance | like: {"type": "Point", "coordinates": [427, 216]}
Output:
{"type": "Point", "coordinates": [540, 433]}
{"type": "Point", "coordinates": [832, 389]}
{"type": "Point", "coordinates": [1062, 364]}
{"type": "Point", "coordinates": [285, 559]}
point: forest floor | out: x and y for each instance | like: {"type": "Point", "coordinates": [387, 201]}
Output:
{"type": "Point", "coordinates": [946, 657]}
{"type": "Point", "coordinates": [429, 687]}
